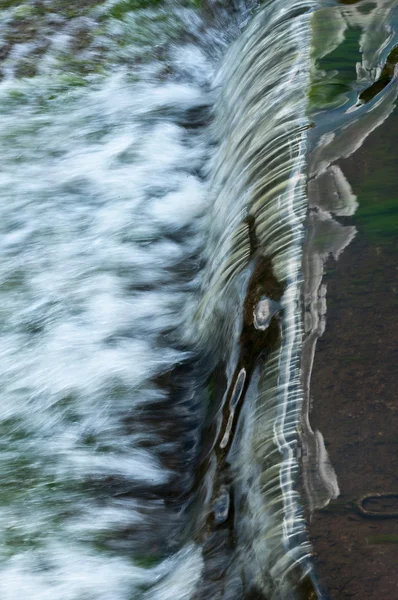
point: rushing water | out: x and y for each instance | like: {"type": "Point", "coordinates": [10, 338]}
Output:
{"type": "Point", "coordinates": [161, 287]}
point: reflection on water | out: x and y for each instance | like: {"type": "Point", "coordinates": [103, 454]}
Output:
{"type": "Point", "coordinates": [330, 195]}
{"type": "Point", "coordinates": [356, 47]}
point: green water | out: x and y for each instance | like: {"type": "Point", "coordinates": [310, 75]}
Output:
{"type": "Point", "coordinates": [336, 87]}
{"type": "Point", "coordinates": [353, 142]}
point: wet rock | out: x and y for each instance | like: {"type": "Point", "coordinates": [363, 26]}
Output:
{"type": "Point", "coordinates": [263, 313]}
{"type": "Point", "coordinates": [221, 506]}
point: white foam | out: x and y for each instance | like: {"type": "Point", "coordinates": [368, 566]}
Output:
{"type": "Point", "coordinates": [93, 179]}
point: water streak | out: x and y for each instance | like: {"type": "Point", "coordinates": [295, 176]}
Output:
{"type": "Point", "coordinates": [156, 335]}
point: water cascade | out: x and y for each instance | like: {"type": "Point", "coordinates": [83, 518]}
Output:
{"type": "Point", "coordinates": [155, 403]}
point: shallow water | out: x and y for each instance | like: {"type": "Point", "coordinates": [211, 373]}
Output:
{"type": "Point", "coordinates": [161, 288]}
{"type": "Point", "coordinates": [350, 286]}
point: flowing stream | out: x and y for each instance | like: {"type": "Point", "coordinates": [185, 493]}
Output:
{"type": "Point", "coordinates": [161, 288]}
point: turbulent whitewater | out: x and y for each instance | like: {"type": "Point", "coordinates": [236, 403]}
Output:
{"type": "Point", "coordinates": [152, 207]}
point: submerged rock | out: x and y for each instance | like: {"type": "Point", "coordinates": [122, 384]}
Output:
{"type": "Point", "coordinates": [263, 313]}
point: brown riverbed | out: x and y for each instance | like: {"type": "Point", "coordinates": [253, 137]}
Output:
{"type": "Point", "coordinates": [354, 388]}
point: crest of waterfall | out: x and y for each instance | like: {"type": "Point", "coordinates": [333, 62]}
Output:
{"type": "Point", "coordinates": [260, 124]}
{"type": "Point", "coordinates": [253, 252]}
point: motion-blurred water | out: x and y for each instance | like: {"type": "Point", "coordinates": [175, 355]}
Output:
{"type": "Point", "coordinates": [153, 195]}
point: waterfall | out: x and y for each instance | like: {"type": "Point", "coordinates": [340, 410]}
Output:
{"type": "Point", "coordinates": [153, 198]}
{"type": "Point", "coordinates": [155, 343]}
{"type": "Point", "coordinates": [253, 256]}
